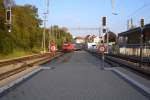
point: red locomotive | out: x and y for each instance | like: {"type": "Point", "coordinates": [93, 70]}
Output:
{"type": "Point", "coordinates": [68, 47]}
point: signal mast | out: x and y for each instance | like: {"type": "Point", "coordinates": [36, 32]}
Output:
{"type": "Point", "coordinates": [8, 6]}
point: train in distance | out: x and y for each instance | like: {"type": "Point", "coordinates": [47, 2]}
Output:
{"type": "Point", "coordinates": [68, 47]}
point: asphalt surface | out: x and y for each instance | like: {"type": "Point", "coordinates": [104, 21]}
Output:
{"type": "Point", "coordinates": [75, 76]}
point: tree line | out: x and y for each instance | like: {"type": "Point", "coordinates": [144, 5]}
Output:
{"type": "Point", "coordinates": [27, 31]}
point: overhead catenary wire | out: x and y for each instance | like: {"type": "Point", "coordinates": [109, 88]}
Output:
{"type": "Point", "coordinates": [139, 9]}
{"type": "Point", "coordinates": [135, 12]}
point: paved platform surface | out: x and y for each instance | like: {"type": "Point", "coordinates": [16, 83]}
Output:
{"type": "Point", "coordinates": [75, 76]}
{"type": "Point", "coordinates": [145, 80]}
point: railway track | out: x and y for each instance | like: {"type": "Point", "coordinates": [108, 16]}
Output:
{"type": "Point", "coordinates": [116, 61]}
{"type": "Point", "coordinates": [20, 59]}
{"type": "Point", "coordinates": [11, 67]}
{"type": "Point", "coordinates": [134, 59]}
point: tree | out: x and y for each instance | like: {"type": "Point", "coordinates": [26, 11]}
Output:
{"type": "Point", "coordinates": [26, 31]}
{"type": "Point", "coordinates": [60, 35]}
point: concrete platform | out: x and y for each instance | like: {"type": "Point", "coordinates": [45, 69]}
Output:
{"type": "Point", "coordinates": [75, 76]}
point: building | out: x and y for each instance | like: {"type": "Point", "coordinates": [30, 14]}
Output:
{"type": "Point", "coordinates": [112, 37]}
{"type": "Point", "coordinates": [95, 39]}
{"type": "Point", "coordinates": [79, 40]}
{"type": "Point", "coordinates": [129, 41]}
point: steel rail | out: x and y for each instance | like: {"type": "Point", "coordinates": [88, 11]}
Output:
{"type": "Point", "coordinates": [116, 61]}
{"type": "Point", "coordinates": [25, 66]}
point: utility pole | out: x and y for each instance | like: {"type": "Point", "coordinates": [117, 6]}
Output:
{"type": "Point", "coordinates": [107, 32]}
{"type": "Point", "coordinates": [45, 22]}
{"type": "Point", "coordinates": [99, 31]}
{"type": "Point", "coordinates": [44, 32]}
{"type": "Point", "coordinates": [141, 41]}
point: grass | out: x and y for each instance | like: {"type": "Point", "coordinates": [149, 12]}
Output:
{"type": "Point", "coordinates": [15, 55]}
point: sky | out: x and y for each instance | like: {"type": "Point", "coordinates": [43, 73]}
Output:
{"type": "Point", "coordinates": [89, 13]}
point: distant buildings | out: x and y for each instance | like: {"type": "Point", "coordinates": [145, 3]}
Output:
{"type": "Point", "coordinates": [93, 41]}
{"type": "Point", "coordinates": [87, 39]}
{"type": "Point", "coordinates": [79, 40]}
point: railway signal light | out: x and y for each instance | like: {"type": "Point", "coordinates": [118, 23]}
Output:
{"type": "Point", "coordinates": [8, 19]}
{"type": "Point", "coordinates": [102, 42]}
{"type": "Point", "coordinates": [142, 23]}
{"type": "Point", "coordinates": [104, 30]}
{"type": "Point", "coordinates": [8, 15]}
{"type": "Point", "coordinates": [103, 21]}
{"type": "Point", "coordinates": [9, 28]}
